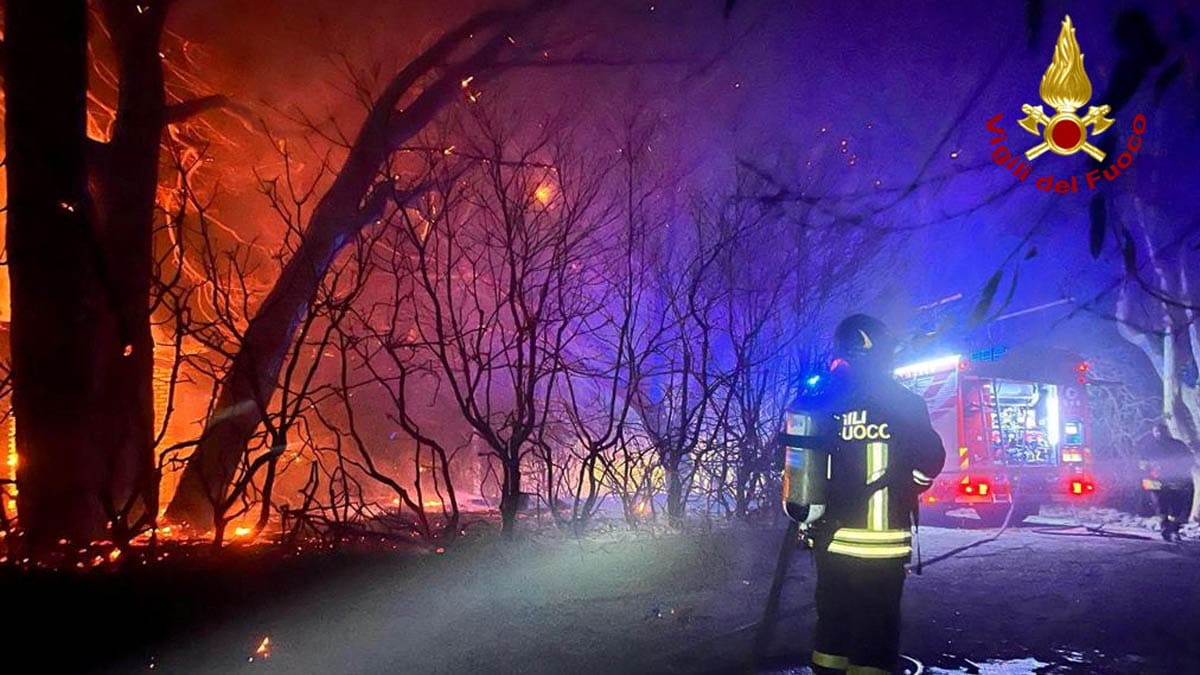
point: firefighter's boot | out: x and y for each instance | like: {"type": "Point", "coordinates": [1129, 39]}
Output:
{"type": "Point", "coordinates": [1170, 529]}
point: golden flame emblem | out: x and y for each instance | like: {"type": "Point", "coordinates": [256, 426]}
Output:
{"type": "Point", "coordinates": [1065, 87]}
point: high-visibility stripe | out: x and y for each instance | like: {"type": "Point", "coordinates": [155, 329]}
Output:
{"type": "Point", "coordinates": [866, 670]}
{"type": "Point", "coordinates": [870, 550]}
{"type": "Point", "coordinates": [963, 460]}
{"type": "Point", "coordinates": [921, 479]}
{"type": "Point", "coordinates": [853, 534]}
{"type": "Point", "coordinates": [832, 661]}
{"type": "Point", "coordinates": [877, 461]}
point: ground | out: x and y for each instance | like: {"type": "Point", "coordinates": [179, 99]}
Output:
{"type": "Point", "coordinates": [1039, 598]}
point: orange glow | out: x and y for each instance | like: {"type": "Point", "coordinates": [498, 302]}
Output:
{"type": "Point", "coordinates": [241, 531]}
{"type": "Point", "coordinates": [8, 493]}
{"type": "Point", "coordinates": [264, 648]}
{"type": "Point", "coordinates": [543, 194]}
{"type": "Point", "coordinates": [114, 554]}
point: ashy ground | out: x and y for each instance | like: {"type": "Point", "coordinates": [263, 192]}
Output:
{"type": "Point", "coordinates": [1047, 598]}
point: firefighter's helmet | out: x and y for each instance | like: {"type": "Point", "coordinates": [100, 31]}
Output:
{"type": "Point", "coordinates": [864, 342]}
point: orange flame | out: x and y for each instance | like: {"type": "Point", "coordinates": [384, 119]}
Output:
{"type": "Point", "coordinates": [543, 194]}
{"type": "Point", "coordinates": [1066, 86]}
{"type": "Point", "coordinates": [264, 648]}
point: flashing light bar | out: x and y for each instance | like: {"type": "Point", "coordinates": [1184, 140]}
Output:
{"type": "Point", "coordinates": [927, 367]}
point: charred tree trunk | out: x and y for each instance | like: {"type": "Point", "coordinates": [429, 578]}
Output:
{"type": "Point", "coordinates": [125, 184]}
{"type": "Point", "coordinates": [54, 267]}
{"type": "Point", "coordinates": [251, 379]}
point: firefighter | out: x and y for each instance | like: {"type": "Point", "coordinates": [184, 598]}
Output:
{"type": "Point", "coordinates": [1168, 463]}
{"type": "Point", "coordinates": [878, 451]}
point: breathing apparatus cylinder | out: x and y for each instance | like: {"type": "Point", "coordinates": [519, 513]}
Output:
{"type": "Point", "coordinates": [805, 469]}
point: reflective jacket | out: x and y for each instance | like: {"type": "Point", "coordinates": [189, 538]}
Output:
{"type": "Point", "coordinates": [883, 454]}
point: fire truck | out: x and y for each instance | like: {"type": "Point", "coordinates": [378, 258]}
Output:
{"type": "Point", "coordinates": [1016, 427]}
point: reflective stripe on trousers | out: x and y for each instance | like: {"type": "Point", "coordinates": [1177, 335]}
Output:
{"type": "Point", "coordinates": [876, 540]}
{"type": "Point", "coordinates": [842, 664]}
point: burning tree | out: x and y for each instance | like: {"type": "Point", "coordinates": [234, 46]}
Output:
{"type": "Point", "coordinates": [82, 208]}
{"type": "Point", "coordinates": [358, 196]}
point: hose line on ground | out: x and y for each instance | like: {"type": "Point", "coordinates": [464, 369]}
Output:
{"type": "Point", "coordinates": [980, 542]}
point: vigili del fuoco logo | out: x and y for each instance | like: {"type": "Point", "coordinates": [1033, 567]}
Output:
{"type": "Point", "coordinates": [1065, 88]}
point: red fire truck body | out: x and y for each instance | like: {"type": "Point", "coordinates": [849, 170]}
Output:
{"type": "Point", "coordinates": [1017, 432]}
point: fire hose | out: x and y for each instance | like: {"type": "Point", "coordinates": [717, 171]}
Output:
{"type": "Point", "coordinates": [966, 547]}
{"type": "Point", "coordinates": [1088, 530]}
{"type": "Point", "coordinates": [771, 615]}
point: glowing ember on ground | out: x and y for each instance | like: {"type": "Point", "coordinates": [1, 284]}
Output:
{"type": "Point", "coordinates": [241, 531]}
{"type": "Point", "coordinates": [263, 651]}
{"type": "Point", "coordinates": [114, 554]}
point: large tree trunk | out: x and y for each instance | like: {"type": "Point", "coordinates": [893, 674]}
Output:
{"type": "Point", "coordinates": [54, 265]}
{"type": "Point", "coordinates": [125, 182]}
{"type": "Point", "coordinates": [1172, 346]}
{"type": "Point", "coordinates": [251, 379]}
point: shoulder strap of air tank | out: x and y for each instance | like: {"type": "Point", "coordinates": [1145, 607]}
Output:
{"type": "Point", "coordinates": [797, 440]}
